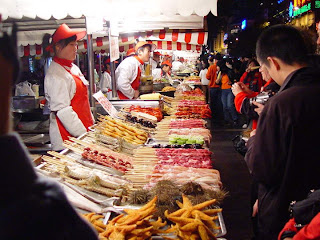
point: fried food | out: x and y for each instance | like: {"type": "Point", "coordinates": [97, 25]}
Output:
{"type": "Point", "coordinates": [119, 129]}
{"type": "Point", "coordinates": [136, 224]}
{"type": "Point", "coordinates": [191, 222]}
{"type": "Point", "coordinates": [96, 221]}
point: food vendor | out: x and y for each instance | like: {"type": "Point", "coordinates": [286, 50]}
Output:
{"type": "Point", "coordinates": [155, 61]}
{"type": "Point", "coordinates": [105, 83]}
{"type": "Point", "coordinates": [128, 72]}
{"type": "Point", "coordinates": [163, 72]}
{"type": "Point", "coordinates": [66, 89]}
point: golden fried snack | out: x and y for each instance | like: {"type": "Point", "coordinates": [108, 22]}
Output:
{"type": "Point", "coordinates": [213, 211]}
{"type": "Point", "coordinates": [96, 221]}
{"type": "Point", "coordinates": [134, 225]}
{"type": "Point", "coordinates": [191, 222]}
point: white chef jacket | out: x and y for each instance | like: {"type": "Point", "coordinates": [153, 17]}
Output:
{"type": "Point", "coordinates": [156, 73]}
{"type": "Point", "coordinates": [105, 84]}
{"type": "Point", "coordinates": [60, 88]}
{"type": "Point", "coordinates": [126, 73]}
{"type": "Point", "coordinates": [177, 66]}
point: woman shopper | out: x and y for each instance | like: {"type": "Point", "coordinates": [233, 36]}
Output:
{"type": "Point", "coordinates": [252, 78]}
{"type": "Point", "coordinates": [227, 98]}
{"type": "Point", "coordinates": [243, 96]}
{"type": "Point", "coordinates": [66, 89]}
{"type": "Point", "coordinates": [214, 90]}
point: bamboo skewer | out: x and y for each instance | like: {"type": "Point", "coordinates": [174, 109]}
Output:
{"type": "Point", "coordinates": [61, 156]}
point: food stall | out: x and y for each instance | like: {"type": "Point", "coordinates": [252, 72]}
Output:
{"type": "Point", "coordinates": [137, 158]}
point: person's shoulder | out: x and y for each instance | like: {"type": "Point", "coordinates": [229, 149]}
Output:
{"type": "Point", "coordinates": [54, 67]}
{"type": "Point", "coordinates": [129, 61]}
{"type": "Point", "coordinates": [54, 71]}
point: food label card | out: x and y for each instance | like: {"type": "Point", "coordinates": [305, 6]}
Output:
{"type": "Point", "coordinates": [106, 104]}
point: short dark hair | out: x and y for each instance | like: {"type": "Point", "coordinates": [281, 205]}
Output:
{"type": "Point", "coordinates": [64, 42]}
{"type": "Point", "coordinates": [284, 42]}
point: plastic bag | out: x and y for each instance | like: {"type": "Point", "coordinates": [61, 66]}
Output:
{"type": "Point", "coordinates": [183, 87]}
{"type": "Point", "coordinates": [24, 89]}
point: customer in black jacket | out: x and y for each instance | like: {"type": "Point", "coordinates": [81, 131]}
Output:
{"type": "Point", "coordinates": [30, 207]}
{"type": "Point", "coordinates": [283, 156]}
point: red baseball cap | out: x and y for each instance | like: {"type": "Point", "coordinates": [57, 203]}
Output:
{"type": "Point", "coordinates": [63, 32]}
{"type": "Point", "coordinates": [167, 62]}
{"type": "Point", "coordinates": [157, 53]}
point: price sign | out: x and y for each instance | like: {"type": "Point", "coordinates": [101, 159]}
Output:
{"type": "Point", "coordinates": [114, 48]}
{"type": "Point", "coordinates": [106, 104]}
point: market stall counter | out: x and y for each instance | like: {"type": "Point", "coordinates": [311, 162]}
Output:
{"type": "Point", "coordinates": [136, 180]}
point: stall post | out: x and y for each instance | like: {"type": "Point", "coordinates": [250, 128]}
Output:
{"type": "Point", "coordinates": [100, 66]}
{"type": "Point", "coordinates": [114, 54]}
{"type": "Point", "coordinates": [91, 74]}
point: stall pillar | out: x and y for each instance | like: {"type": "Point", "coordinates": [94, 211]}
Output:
{"type": "Point", "coordinates": [91, 74]}
{"type": "Point", "coordinates": [112, 69]}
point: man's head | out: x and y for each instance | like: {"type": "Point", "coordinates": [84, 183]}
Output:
{"type": "Point", "coordinates": [144, 49]}
{"type": "Point", "coordinates": [156, 56]}
{"type": "Point", "coordinates": [281, 49]}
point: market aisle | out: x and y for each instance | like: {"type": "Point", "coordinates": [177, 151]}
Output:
{"type": "Point", "coordinates": [236, 180]}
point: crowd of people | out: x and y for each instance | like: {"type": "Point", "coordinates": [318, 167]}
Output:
{"type": "Point", "coordinates": [278, 93]}
{"type": "Point", "coordinates": [221, 72]}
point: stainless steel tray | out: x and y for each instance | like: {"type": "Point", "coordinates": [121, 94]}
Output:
{"type": "Point", "coordinates": [79, 159]}
{"type": "Point", "coordinates": [119, 104]}
{"type": "Point", "coordinates": [220, 222]}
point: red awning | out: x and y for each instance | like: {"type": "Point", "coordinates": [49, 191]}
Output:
{"type": "Point", "coordinates": [173, 40]}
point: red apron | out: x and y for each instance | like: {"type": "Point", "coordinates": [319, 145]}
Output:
{"type": "Point", "coordinates": [135, 84]}
{"type": "Point", "coordinates": [80, 104]}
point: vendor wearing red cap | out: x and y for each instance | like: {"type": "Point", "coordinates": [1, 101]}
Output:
{"type": "Point", "coordinates": [163, 72]}
{"type": "Point", "coordinates": [155, 61]}
{"type": "Point", "coordinates": [66, 89]}
{"type": "Point", "coordinates": [128, 72]}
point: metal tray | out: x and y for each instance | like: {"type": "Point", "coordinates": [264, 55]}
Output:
{"type": "Point", "coordinates": [220, 222]}
{"type": "Point", "coordinates": [79, 159]}
{"type": "Point", "coordinates": [119, 104]}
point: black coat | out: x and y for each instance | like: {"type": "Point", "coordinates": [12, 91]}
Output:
{"type": "Point", "coordinates": [31, 207]}
{"type": "Point", "coordinates": [284, 155]}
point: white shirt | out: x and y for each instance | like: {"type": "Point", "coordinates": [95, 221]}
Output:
{"type": "Point", "coordinates": [105, 82]}
{"type": "Point", "coordinates": [177, 66]}
{"type": "Point", "coordinates": [60, 88]}
{"type": "Point", "coordinates": [126, 73]}
{"type": "Point", "coordinates": [59, 85]}
{"type": "Point", "coordinates": [156, 73]}
{"type": "Point", "coordinates": [202, 75]}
